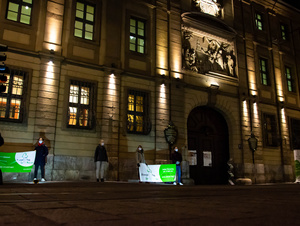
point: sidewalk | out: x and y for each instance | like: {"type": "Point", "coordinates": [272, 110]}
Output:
{"type": "Point", "coordinates": [122, 203]}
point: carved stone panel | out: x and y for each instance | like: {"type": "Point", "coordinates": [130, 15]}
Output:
{"type": "Point", "coordinates": [204, 53]}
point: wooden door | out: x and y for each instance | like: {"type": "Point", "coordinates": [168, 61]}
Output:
{"type": "Point", "coordinates": [208, 135]}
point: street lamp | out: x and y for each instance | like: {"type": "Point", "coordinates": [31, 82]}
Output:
{"type": "Point", "coordinates": [252, 144]}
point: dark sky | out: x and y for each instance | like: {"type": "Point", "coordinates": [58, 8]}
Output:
{"type": "Point", "coordinates": [295, 3]}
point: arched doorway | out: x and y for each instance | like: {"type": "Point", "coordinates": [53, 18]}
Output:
{"type": "Point", "coordinates": [208, 135]}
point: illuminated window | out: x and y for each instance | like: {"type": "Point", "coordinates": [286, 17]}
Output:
{"type": "Point", "coordinates": [270, 130]}
{"type": "Point", "coordinates": [137, 116]}
{"type": "Point", "coordinates": [80, 112]}
{"type": "Point", "coordinates": [289, 79]}
{"type": "Point", "coordinates": [137, 35]}
{"type": "Point", "coordinates": [259, 21]}
{"type": "Point", "coordinates": [84, 20]}
{"type": "Point", "coordinates": [12, 100]}
{"type": "Point", "coordinates": [263, 68]}
{"type": "Point", "coordinates": [284, 32]}
{"type": "Point", "coordinates": [19, 11]}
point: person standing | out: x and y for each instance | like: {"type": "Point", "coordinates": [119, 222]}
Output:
{"type": "Point", "coordinates": [140, 158]}
{"type": "Point", "coordinates": [177, 159]}
{"type": "Point", "coordinates": [100, 159]}
{"type": "Point", "coordinates": [40, 158]}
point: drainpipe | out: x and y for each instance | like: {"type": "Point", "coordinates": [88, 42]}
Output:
{"type": "Point", "coordinates": [248, 88]}
{"type": "Point", "coordinates": [277, 104]}
{"type": "Point", "coordinates": [169, 70]}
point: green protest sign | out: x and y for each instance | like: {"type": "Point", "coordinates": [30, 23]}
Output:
{"type": "Point", "coordinates": [167, 172]}
{"type": "Point", "coordinates": [20, 162]}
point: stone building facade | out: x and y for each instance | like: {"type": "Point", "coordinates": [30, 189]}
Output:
{"type": "Point", "coordinates": [125, 70]}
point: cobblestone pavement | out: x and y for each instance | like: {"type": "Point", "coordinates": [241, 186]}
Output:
{"type": "Point", "coordinates": [117, 203]}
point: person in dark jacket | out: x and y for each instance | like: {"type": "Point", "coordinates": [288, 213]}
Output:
{"type": "Point", "coordinates": [40, 158]}
{"type": "Point", "coordinates": [100, 159]}
{"type": "Point", "coordinates": [177, 159]}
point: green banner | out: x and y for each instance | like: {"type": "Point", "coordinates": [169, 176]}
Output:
{"type": "Point", "coordinates": [20, 162]}
{"type": "Point", "coordinates": [167, 172]}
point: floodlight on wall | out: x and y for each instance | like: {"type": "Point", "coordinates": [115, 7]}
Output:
{"type": "Point", "coordinates": [281, 104]}
{"type": "Point", "coordinates": [254, 98]}
{"type": "Point", "coordinates": [214, 86]}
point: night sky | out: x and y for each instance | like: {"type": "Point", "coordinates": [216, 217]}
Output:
{"type": "Point", "coordinates": [295, 3]}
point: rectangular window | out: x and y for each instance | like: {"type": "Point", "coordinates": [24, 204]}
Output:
{"type": "Point", "coordinates": [259, 21]}
{"type": "Point", "coordinates": [263, 68]}
{"type": "Point", "coordinates": [137, 35]}
{"type": "Point", "coordinates": [12, 100]}
{"type": "Point", "coordinates": [80, 112]}
{"type": "Point", "coordinates": [19, 11]}
{"type": "Point", "coordinates": [270, 130]}
{"type": "Point", "coordinates": [284, 32]}
{"type": "Point", "coordinates": [84, 21]}
{"type": "Point", "coordinates": [137, 117]}
{"type": "Point", "coordinates": [289, 79]}
{"type": "Point", "coordinates": [295, 133]}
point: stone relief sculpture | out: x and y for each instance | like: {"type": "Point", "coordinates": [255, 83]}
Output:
{"type": "Point", "coordinates": [209, 6]}
{"type": "Point", "coordinates": [203, 54]}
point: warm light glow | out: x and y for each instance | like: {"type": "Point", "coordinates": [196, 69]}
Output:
{"type": "Point", "coordinates": [112, 85]}
{"type": "Point", "coordinates": [53, 29]}
{"type": "Point", "coordinates": [252, 80]}
{"type": "Point", "coordinates": [283, 118]}
{"type": "Point", "coordinates": [245, 114]}
{"type": "Point", "coordinates": [208, 6]}
{"type": "Point", "coordinates": [50, 71]}
{"type": "Point", "coordinates": [256, 120]}
{"type": "Point", "coordinates": [178, 76]}
{"type": "Point", "coordinates": [214, 84]}
{"type": "Point", "coordinates": [245, 108]}
{"type": "Point", "coordinates": [162, 95]}
{"type": "Point", "coordinates": [255, 113]}
{"type": "Point", "coordinates": [279, 84]}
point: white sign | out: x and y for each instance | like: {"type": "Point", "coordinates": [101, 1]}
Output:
{"type": "Point", "coordinates": [192, 157]}
{"type": "Point", "coordinates": [157, 173]}
{"type": "Point", "coordinates": [207, 160]}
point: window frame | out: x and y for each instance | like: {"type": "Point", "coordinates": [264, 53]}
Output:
{"type": "Point", "coordinates": [264, 74]}
{"type": "Point", "coordinates": [270, 134]}
{"type": "Point", "coordinates": [284, 33]}
{"type": "Point", "coordinates": [84, 21]}
{"type": "Point", "coordinates": [146, 121]}
{"type": "Point", "coordinates": [137, 36]}
{"type": "Point", "coordinates": [290, 82]}
{"type": "Point", "coordinates": [20, 3]}
{"type": "Point", "coordinates": [91, 106]}
{"type": "Point", "coordinates": [259, 22]}
{"type": "Point", "coordinates": [9, 95]}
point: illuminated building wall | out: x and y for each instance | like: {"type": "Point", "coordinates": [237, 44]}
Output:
{"type": "Point", "coordinates": [98, 70]}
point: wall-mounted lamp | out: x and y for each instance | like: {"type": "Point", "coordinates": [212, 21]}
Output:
{"type": "Point", "coordinates": [214, 86]}
{"type": "Point", "coordinates": [252, 142]}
